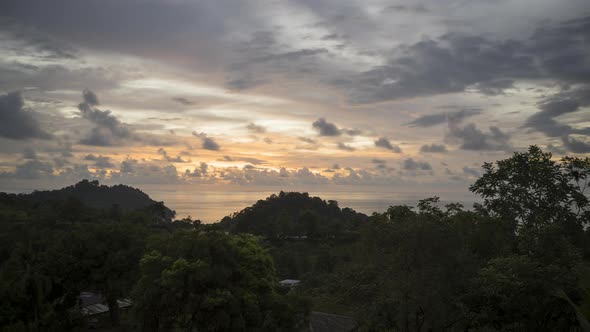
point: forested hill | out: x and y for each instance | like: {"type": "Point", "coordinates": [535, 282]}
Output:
{"type": "Point", "coordinates": [294, 214]}
{"type": "Point", "coordinates": [94, 195]}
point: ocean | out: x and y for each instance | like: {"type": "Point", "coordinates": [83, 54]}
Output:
{"type": "Point", "coordinates": [212, 206]}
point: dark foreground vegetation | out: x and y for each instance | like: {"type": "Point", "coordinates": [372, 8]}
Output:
{"type": "Point", "coordinates": [519, 261]}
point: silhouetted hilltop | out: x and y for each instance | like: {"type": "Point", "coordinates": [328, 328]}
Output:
{"type": "Point", "coordinates": [94, 195]}
{"type": "Point", "coordinates": [294, 215]}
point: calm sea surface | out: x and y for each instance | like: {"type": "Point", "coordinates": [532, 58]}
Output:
{"type": "Point", "coordinates": [211, 206]}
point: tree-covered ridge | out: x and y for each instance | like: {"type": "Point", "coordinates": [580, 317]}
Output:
{"type": "Point", "coordinates": [97, 196]}
{"type": "Point", "coordinates": [292, 215]}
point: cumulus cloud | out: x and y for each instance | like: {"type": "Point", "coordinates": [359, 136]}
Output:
{"type": "Point", "coordinates": [133, 171]}
{"type": "Point", "coordinates": [108, 130]}
{"type": "Point", "coordinates": [16, 122]}
{"type": "Point", "coordinates": [383, 142]}
{"type": "Point", "coordinates": [326, 128]}
{"type": "Point", "coordinates": [562, 103]}
{"type": "Point", "coordinates": [433, 148]}
{"type": "Point", "coordinates": [207, 142]}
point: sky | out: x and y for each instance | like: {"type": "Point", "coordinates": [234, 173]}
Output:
{"type": "Point", "coordinates": [356, 95]}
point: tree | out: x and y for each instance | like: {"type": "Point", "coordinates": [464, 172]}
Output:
{"type": "Point", "coordinates": [211, 281]}
{"type": "Point", "coordinates": [111, 257]}
{"type": "Point", "coordinates": [530, 189]}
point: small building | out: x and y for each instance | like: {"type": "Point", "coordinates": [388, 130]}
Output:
{"type": "Point", "coordinates": [92, 304]}
{"type": "Point", "coordinates": [289, 282]}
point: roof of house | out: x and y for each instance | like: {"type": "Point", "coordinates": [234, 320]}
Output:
{"type": "Point", "coordinates": [289, 282]}
{"type": "Point", "coordinates": [93, 304]}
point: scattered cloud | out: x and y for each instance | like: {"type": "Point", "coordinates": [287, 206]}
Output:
{"type": "Point", "coordinates": [413, 165]}
{"type": "Point", "coordinates": [440, 118]}
{"type": "Point", "coordinates": [433, 148]}
{"type": "Point", "coordinates": [207, 142]}
{"type": "Point", "coordinates": [326, 128]}
{"type": "Point", "coordinates": [183, 101]}
{"type": "Point", "coordinates": [100, 161]}
{"type": "Point", "coordinates": [383, 142]}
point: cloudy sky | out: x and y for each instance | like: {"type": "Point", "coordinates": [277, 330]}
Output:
{"type": "Point", "coordinates": [224, 94]}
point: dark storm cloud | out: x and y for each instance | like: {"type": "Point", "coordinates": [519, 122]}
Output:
{"type": "Point", "coordinates": [559, 104]}
{"type": "Point", "coordinates": [15, 121]}
{"type": "Point", "coordinates": [433, 148]}
{"type": "Point", "coordinates": [448, 65]}
{"type": "Point", "coordinates": [326, 128]}
{"type": "Point", "coordinates": [207, 143]}
{"type": "Point", "coordinates": [413, 165]}
{"type": "Point", "coordinates": [14, 76]}
{"type": "Point", "coordinates": [122, 26]}
{"type": "Point", "coordinates": [440, 118]}
{"type": "Point", "coordinates": [46, 47]}
{"type": "Point", "coordinates": [256, 128]}
{"type": "Point", "coordinates": [383, 142]}
{"type": "Point", "coordinates": [469, 137]}
{"type": "Point", "coordinates": [563, 50]}
{"type": "Point", "coordinates": [455, 62]}
{"type": "Point", "coordinates": [575, 145]}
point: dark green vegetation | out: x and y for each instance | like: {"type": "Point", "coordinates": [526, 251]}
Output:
{"type": "Point", "coordinates": [519, 261]}
{"type": "Point", "coordinates": [179, 274]}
